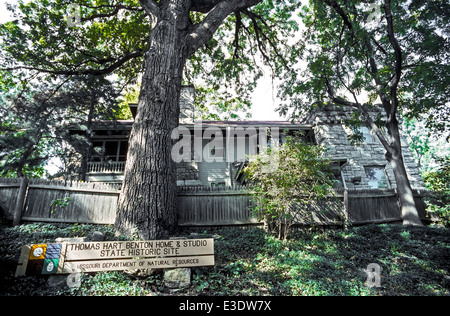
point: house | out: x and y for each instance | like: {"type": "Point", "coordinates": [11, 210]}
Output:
{"type": "Point", "coordinates": [212, 153]}
{"type": "Point", "coordinates": [364, 165]}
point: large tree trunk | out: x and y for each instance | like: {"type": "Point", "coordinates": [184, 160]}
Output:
{"type": "Point", "coordinates": [147, 204]}
{"type": "Point", "coordinates": [390, 103]}
{"type": "Point", "coordinates": [87, 150]}
{"type": "Point", "coordinates": [409, 213]}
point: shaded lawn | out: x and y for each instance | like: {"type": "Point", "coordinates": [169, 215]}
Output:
{"type": "Point", "coordinates": [414, 261]}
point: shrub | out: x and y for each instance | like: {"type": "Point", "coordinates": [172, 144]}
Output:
{"type": "Point", "coordinates": [439, 182]}
{"type": "Point", "coordinates": [287, 179]}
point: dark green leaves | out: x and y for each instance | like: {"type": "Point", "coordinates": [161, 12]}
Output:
{"type": "Point", "coordinates": [41, 39]}
{"type": "Point", "coordinates": [350, 55]}
{"type": "Point", "coordinates": [293, 173]}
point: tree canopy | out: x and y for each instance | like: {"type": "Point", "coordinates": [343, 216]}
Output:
{"type": "Point", "coordinates": [370, 52]}
{"type": "Point", "coordinates": [34, 122]}
{"type": "Point", "coordinates": [401, 59]}
{"type": "Point", "coordinates": [208, 43]}
{"type": "Point", "coordinates": [111, 37]}
{"type": "Point", "coordinates": [370, 55]}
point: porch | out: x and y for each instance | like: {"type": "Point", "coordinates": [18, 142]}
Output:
{"type": "Point", "coordinates": [110, 172]}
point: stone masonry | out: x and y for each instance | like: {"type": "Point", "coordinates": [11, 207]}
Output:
{"type": "Point", "coordinates": [329, 129]}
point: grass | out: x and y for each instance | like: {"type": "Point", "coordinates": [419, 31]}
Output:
{"type": "Point", "coordinates": [414, 261]}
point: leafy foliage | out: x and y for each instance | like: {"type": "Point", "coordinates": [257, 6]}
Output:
{"type": "Point", "coordinates": [287, 178]}
{"type": "Point", "coordinates": [34, 121]}
{"type": "Point", "coordinates": [359, 54]}
{"type": "Point", "coordinates": [112, 37]}
{"type": "Point", "coordinates": [439, 182]}
{"type": "Point", "coordinates": [214, 106]}
{"type": "Point", "coordinates": [227, 69]}
{"type": "Point", "coordinates": [351, 57]}
{"type": "Point", "coordinates": [40, 39]}
{"type": "Point", "coordinates": [414, 261]}
{"type": "Point", "coordinates": [428, 148]}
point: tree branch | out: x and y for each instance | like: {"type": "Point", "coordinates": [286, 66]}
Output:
{"type": "Point", "coordinates": [116, 10]}
{"type": "Point", "coordinates": [261, 46]}
{"type": "Point", "coordinates": [236, 34]}
{"type": "Point", "coordinates": [381, 48]}
{"type": "Point", "coordinates": [118, 63]}
{"type": "Point", "coordinates": [338, 9]}
{"type": "Point", "coordinates": [152, 9]}
{"type": "Point", "coordinates": [258, 31]}
{"type": "Point", "coordinates": [150, 6]}
{"type": "Point", "coordinates": [202, 32]}
{"type": "Point", "coordinates": [398, 55]}
{"type": "Point", "coordinates": [334, 98]}
{"type": "Point", "coordinates": [389, 107]}
{"type": "Point", "coordinates": [363, 111]}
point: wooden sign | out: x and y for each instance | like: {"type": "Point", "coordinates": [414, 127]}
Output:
{"type": "Point", "coordinates": [114, 255]}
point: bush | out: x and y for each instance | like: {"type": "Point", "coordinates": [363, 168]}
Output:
{"type": "Point", "coordinates": [287, 179]}
{"type": "Point", "coordinates": [439, 182]}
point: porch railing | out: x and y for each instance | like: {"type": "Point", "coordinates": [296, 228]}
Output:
{"type": "Point", "coordinates": [106, 167]}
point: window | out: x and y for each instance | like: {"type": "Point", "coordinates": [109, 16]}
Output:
{"type": "Point", "coordinates": [107, 150]}
{"type": "Point", "coordinates": [376, 177]}
{"type": "Point", "coordinates": [123, 151]}
{"type": "Point", "coordinates": [367, 135]}
{"type": "Point", "coordinates": [213, 150]}
{"type": "Point", "coordinates": [110, 148]}
{"type": "Point", "coordinates": [336, 169]}
{"type": "Point", "coordinates": [218, 184]}
{"type": "Point", "coordinates": [338, 180]}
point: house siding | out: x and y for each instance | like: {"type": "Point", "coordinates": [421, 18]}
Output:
{"type": "Point", "coordinates": [324, 126]}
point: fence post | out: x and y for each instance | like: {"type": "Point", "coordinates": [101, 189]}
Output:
{"type": "Point", "coordinates": [346, 207]}
{"type": "Point", "coordinates": [20, 201]}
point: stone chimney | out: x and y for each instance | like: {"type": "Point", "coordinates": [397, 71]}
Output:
{"type": "Point", "coordinates": [187, 97]}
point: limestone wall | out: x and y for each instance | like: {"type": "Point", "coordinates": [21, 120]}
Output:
{"type": "Point", "coordinates": [329, 129]}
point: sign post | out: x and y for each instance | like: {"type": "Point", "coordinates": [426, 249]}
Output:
{"type": "Point", "coordinates": [66, 258]}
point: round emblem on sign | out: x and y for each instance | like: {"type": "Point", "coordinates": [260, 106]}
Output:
{"type": "Point", "coordinates": [38, 252]}
{"type": "Point", "coordinates": [50, 266]}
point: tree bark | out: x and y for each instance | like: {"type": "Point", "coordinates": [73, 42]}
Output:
{"type": "Point", "coordinates": [147, 205]}
{"type": "Point", "coordinates": [409, 213]}
{"type": "Point", "coordinates": [393, 146]}
{"type": "Point", "coordinates": [392, 143]}
{"type": "Point", "coordinates": [86, 155]}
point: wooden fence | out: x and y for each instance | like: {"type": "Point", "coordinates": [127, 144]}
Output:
{"type": "Point", "coordinates": [205, 206]}
{"type": "Point", "coordinates": [89, 202]}
{"type": "Point", "coordinates": [9, 192]}
{"type": "Point", "coordinates": [378, 206]}
{"type": "Point", "coordinates": [59, 201]}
